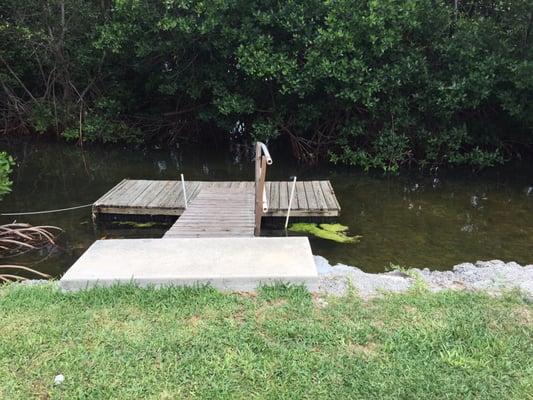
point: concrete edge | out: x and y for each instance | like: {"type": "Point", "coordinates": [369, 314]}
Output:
{"type": "Point", "coordinates": [226, 285]}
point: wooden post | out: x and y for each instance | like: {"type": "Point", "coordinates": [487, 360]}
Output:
{"type": "Point", "coordinates": [259, 189]}
{"type": "Point", "coordinates": [257, 162]}
{"type": "Point", "coordinates": [184, 191]}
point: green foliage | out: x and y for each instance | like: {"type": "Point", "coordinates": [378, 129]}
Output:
{"type": "Point", "coordinates": [6, 164]}
{"type": "Point", "coordinates": [375, 84]}
{"type": "Point", "coordinates": [198, 343]}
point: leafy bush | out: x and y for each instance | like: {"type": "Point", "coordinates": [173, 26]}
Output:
{"type": "Point", "coordinates": [6, 163]}
{"type": "Point", "coordinates": [376, 84]}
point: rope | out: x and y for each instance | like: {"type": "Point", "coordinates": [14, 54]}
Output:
{"type": "Point", "coordinates": [47, 211]}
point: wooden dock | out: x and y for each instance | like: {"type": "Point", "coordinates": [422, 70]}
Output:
{"type": "Point", "coordinates": [217, 212]}
{"type": "Point", "coordinates": [165, 198]}
{"type": "Point", "coordinates": [214, 241]}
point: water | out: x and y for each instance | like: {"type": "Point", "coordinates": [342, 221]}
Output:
{"type": "Point", "coordinates": [409, 220]}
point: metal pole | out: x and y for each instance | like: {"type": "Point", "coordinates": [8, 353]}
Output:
{"type": "Point", "coordinates": [290, 202]}
{"type": "Point", "coordinates": [184, 191]}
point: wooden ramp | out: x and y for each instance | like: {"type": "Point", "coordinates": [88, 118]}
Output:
{"type": "Point", "coordinates": [158, 197]}
{"type": "Point", "coordinates": [217, 212]}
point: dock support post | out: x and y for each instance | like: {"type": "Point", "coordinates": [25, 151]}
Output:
{"type": "Point", "coordinates": [262, 158]}
{"type": "Point", "coordinates": [184, 191]}
{"type": "Point", "coordinates": [259, 191]}
{"type": "Point", "coordinates": [290, 202]}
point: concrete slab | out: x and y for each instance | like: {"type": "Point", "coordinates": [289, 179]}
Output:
{"type": "Point", "coordinates": [229, 264]}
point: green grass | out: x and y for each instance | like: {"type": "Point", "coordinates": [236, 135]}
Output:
{"type": "Point", "coordinates": [132, 343]}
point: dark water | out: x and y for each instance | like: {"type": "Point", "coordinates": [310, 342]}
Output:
{"type": "Point", "coordinates": [409, 220]}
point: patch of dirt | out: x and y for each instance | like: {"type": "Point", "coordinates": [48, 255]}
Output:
{"type": "Point", "coordinates": [524, 315]}
{"type": "Point", "coordinates": [239, 316]}
{"type": "Point", "coordinates": [368, 350]}
{"type": "Point", "coordinates": [264, 309]}
{"type": "Point", "coordinates": [319, 302]}
{"type": "Point", "coordinates": [194, 321]}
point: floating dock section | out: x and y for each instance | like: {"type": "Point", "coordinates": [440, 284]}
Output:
{"type": "Point", "coordinates": [166, 198]}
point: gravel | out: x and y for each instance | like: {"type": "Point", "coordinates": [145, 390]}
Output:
{"type": "Point", "coordinates": [492, 276]}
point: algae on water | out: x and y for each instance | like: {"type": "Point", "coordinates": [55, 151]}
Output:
{"type": "Point", "coordinates": [335, 232]}
{"type": "Point", "coordinates": [334, 227]}
{"type": "Point", "coordinates": [133, 224]}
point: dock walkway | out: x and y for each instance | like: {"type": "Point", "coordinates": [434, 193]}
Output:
{"type": "Point", "coordinates": [217, 212]}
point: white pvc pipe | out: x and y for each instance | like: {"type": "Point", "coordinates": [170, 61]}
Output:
{"type": "Point", "coordinates": [184, 191]}
{"type": "Point", "coordinates": [266, 152]}
{"type": "Point", "coordinates": [290, 203]}
{"type": "Point", "coordinates": [265, 202]}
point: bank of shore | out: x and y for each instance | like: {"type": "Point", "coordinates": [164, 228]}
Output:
{"type": "Point", "coordinates": [492, 276]}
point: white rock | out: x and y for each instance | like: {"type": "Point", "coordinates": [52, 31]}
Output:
{"type": "Point", "coordinates": [59, 379]}
{"type": "Point", "coordinates": [463, 267]}
{"type": "Point", "coordinates": [322, 265]}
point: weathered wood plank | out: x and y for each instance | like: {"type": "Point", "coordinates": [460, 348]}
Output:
{"type": "Point", "coordinates": [150, 193]}
{"type": "Point", "coordinates": [274, 196]}
{"type": "Point", "coordinates": [169, 200]}
{"type": "Point", "coordinates": [310, 195]}
{"type": "Point", "coordinates": [301, 197]}
{"type": "Point", "coordinates": [320, 199]}
{"type": "Point", "coordinates": [132, 193]}
{"type": "Point", "coordinates": [109, 194]}
{"type": "Point", "coordinates": [283, 196]}
{"type": "Point", "coordinates": [328, 196]}
{"type": "Point", "coordinates": [328, 183]}
{"type": "Point", "coordinates": [118, 194]}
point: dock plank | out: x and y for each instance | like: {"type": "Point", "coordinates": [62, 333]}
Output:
{"type": "Point", "coordinates": [283, 196]}
{"type": "Point", "coordinates": [333, 196]}
{"type": "Point", "coordinates": [310, 195]}
{"type": "Point", "coordinates": [274, 196]}
{"type": "Point", "coordinates": [122, 189]}
{"type": "Point", "coordinates": [301, 197]}
{"type": "Point", "coordinates": [132, 193]}
{"type": "Point", "coordinates": [150, 193]}
{"type": "Point", "coordinates": [319, 195]}
{"type": "Point", "coordinates": [109, 193]}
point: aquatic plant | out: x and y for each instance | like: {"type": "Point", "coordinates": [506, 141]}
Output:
{"type": "Point", "coordinates": [7, 277]}
{"type": "Point", "coordinates": [18, 237]}
{"type": "Point", "coordinates": [6, 163]}
{"type": "Point", "coordinates": [335, 232]}
{"type": "Point", "coordinates": [133, 224]}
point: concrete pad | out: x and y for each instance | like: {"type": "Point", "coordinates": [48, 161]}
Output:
{"type": "Point", "coordinates": [230, 264]}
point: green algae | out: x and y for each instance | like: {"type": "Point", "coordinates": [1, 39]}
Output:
{"type": "Point", "coordinates": [334, 227]}
{"type": "Point", "coordinates": [133, 224]}
{"type": "Point", "coordinates": [334, 232]}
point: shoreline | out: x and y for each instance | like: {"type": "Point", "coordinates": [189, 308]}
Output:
{"type": "Point", "coordinates": [493, 277]}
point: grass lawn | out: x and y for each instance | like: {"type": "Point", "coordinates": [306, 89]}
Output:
{"type": "Point", "coordinates": [129, 343]}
